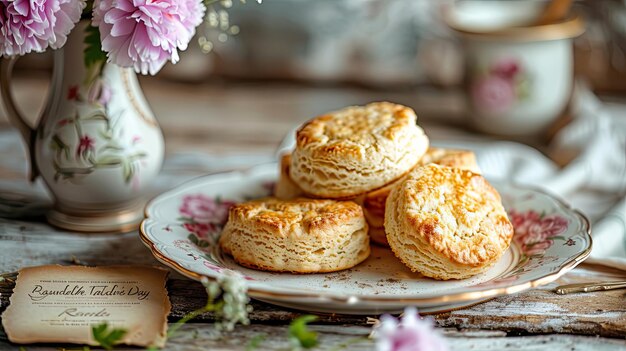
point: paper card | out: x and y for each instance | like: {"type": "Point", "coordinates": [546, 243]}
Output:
{"type": "Point", "coordinates": [62, 303]}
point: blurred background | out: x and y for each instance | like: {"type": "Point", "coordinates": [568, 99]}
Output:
{"type": "Point", "coordinates": [255, 72]}
{"type": "Point", "coordinates": [268, 67]}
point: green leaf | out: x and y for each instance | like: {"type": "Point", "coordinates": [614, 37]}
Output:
{"type": "Point", "coordinates": [300, 334]}
{"type": "Point", "coordinates": [106, 337]}
{"type": "Point", "coordinates": [137, 155]}
{"type": "Point", "coordinates": [193, 238]}
{"type": "Point", "coordinates": [95, 116]}
{"type": "Point", "coordinates": [127, 170]}
{"type": "Point", "coordinates": [94, 56]}
{"type": "Point", "coordinates": [108, 160]}
{"type": "Point", "coordinates": [113, 146]}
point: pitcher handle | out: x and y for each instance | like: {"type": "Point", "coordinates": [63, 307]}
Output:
{"type": "Point", "coordinates": [15, 117]}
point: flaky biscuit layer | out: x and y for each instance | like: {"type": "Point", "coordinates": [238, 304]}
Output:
{"type": "Point", "coordinates": [299, 236]}
{"type": "Point", "coordinates": [374, 202]}
{"type": "Point", "coordinates": [446, 223]}
{"type": "Point", "coordinates": [356, 149]}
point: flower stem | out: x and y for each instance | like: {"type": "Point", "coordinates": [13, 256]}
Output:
{"type": "Point", "coordinates": [189, 316]}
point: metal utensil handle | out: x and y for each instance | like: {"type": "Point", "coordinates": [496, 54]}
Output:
{"type": "Point", "coordinates": [590, 287]}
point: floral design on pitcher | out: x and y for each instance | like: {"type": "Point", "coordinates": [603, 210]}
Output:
{"type": "Point", "coordinates": [105, 149]}
{"type": "Point", "coordinates": [501, 85]}
{"type": "Point", "coordinates": [203, 217]}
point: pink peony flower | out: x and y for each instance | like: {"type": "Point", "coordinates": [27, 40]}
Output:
{"type": "Point", "coordinates": [493, 93]}
{"type": "Point", "coordinates": [411, 334]}
{"type": "Point", "coordinates": [34, 25]}
{"type": "Point", "coordinates": [145, 34]}
{"type": "Point", "coordinates": [204, 209]}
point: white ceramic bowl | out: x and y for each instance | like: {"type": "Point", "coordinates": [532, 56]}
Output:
{"type": "Point", "coordinates": [519, 77]}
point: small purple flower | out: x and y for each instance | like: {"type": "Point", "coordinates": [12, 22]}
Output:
{"type": "Point", "coordinates": [33, 26]}
{"type": "Point", "coordinates": [411, 334]}
{"type": "Point", "coordinates": [145, 34]}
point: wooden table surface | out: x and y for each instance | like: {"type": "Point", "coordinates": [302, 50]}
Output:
{"type": "Point", "coordinates": [218, 119]}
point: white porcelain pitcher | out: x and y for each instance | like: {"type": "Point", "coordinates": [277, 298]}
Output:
{"type": "Point", "coordinates": [97, 144]}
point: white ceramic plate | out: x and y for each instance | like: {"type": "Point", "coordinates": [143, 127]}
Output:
{"type": "Point", "coordinates": [181, 226]}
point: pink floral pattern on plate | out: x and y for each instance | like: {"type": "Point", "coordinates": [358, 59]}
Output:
{"type": "Point", "coordinates": [534, 232]}
{"type": "Point", "coordinates": [204, 217]}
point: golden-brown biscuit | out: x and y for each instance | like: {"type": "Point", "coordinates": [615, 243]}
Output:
{"type": "Point", "coordinates": [456, 158]}
{"type": "Point", "coordinates": [374, 202]}
{"type": "Point", "coordinates": [357, 149]}
{"type": "Point", "coordinates": [446, 223]}
{"type": "Point", "coordinates": [285, 188]}
{"type": "Point", "coordinates": [299, 236]}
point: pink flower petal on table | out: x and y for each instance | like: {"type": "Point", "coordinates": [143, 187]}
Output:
{"type": "Point", "coordinates": [410, 334]}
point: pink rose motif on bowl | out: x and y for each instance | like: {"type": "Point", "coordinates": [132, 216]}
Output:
{"type": "Point", "coordinates": [506, 68]}
{"type": "Point", "coordinates": [204, 216]}
{"type": "Point", "coordinates": [500, 86]}
{"type": "Point", "coordinates": [493, 93]}
{"type": "Point", "coordinates": [534, 232]}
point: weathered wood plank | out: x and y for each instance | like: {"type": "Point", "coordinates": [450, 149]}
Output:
{"type": "Point", "coordinates": [201, 336]}
{"type": "Point", "coordinates": [538, 311]}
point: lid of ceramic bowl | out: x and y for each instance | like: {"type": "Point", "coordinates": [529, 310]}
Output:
{"type": "Point", "coordinates": [508, 20]}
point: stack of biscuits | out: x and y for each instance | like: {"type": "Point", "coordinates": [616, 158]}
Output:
{"type": "Point", "coordinates": [367, 172]}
